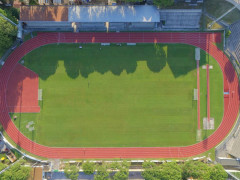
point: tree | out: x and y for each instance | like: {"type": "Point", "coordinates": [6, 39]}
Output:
{"type": "Point", "coordinates": [151, 173]}
{"type": "Point", "coordinates": [101, 173]}
{"type": "Point", "coordinates": [16, 171]}
{"type": "Point", "coordinates": [123, 170]}
{"type": "Point", "coordinates": [8, 33]}
{"type": "Point", "coordinates": [125, 164]}
{"type": "Point", "coordinates": [218, 173]}
{"type": "Point", "coordinates": [3, 12]}
{"type": "Point", "coordinates": [196, 169]}
{"type": "Point", "coordinates": [150, 170]}
{"type": "Point", "coordinates": [88, 168]}
{"type": "Point", "coordinates": [115, 165]}
{"type": "Point", "coordinates": [3, 2]}
{"type": "Point", "coordinates": [71, 171]}
{"type": "Point", "coordinates": [11, 13]}
{"type": "Point", "coordinates": [14, 13]}
{"type": "Point", "coordinates": [168, 171]}
{"type": "Point", "coordinates": [148, 164]}
{"type": "Point", "coordinates": [163, 3]}
{"type": "Point", "coordinates": [173, 171]}
{"type": "Point", "coordinates": [2, 166]}
{"type": "Point", "coordinates": [122, 174]}
{"type": "Point", "coordinates": [227, 33]}
{"type": "Point", "coordinates": [33, 2]}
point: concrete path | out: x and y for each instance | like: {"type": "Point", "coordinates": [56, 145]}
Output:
{"type": "Point", "coordinates": [224, 14]}
{"type": "Point", "coordinates": [221, 22]}
{"type": "Point", "coordinates": [234, 2]}
{"type": "Point", "coordinates": [133, 175]}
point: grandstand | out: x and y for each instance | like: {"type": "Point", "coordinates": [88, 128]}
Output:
{"type": "Point", "coordinates": [230, 147]}
{"type": "Point", "coordinates": [108, 18]}
{"type": "Point", "coordinates": [233, 42]}
{"type": "Point", "coordinates": [180, 19]}
{"type": "Point", "coordinates": [84, 18]}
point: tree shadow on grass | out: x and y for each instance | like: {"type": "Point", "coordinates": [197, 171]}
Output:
{"type": "Point", "coordinates": [157, 63]}
{"type": "Point", "coordinates": [44, 61]}
{"type": "Point", "coordinates": [181, 59]}
{"type": "Point", "coordinates": [115, 59]}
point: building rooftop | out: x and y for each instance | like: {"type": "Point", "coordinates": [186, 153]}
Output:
{"type": "Point", "coordinates": [138, 13]}
{"type": "Point", "coordinates": [44, 13]}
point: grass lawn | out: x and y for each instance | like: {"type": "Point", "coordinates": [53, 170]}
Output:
{"type": "Point", "coordinates": [128, 96]}
{"type": "Point", "coordinates": [219, 7]}
{"type": "Point", "coordinates": [237, 174]}
{"type": "Point", "coordinates": [208, 21]}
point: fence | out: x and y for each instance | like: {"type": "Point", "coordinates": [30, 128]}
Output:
{"type": "Point", "coordinates": [8, 52]}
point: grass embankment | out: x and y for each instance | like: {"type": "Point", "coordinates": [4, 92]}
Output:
{"type": "Point", "coordinates": [219, 7]}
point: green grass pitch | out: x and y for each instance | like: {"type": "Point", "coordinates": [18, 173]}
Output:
{"type": "Point", "coordinates": [119, 96]}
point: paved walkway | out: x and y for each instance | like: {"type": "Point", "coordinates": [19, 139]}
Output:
{"type": "Point", "coordinates": [234, 2]}
{"type": "Point", "coordinates": [134, 175]}
{"type": "Point", "coordinates": [221, 22]}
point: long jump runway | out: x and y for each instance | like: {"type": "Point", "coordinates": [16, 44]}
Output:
{"type": "Point", "coordinates": [203, 40]}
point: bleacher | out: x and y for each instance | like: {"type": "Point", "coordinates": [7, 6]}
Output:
{"type": "Point", "coordinates": [143, 25]}
{"type": "Point", "coordinates": [233, 42]}
{"type": "Point", "coordinates": [233, 145]}
{"type": "Point", "coordinates": [49, 25]}
{"type": "Point", "coordinates": [180, 19]}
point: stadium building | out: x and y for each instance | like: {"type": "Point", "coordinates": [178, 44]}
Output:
{"type": "Point", "coordinates": [84, 18]}
{"type": "Point", "coordinates": [108, 18]}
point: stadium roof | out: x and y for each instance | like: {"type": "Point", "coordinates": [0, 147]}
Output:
{"type": "Point", "coordinates": [139, 13]}
{"type": "Point", "coordinates": [44, 13]}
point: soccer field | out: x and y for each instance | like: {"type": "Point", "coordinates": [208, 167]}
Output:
{"type": "Point", "coordinates": [119, 96]}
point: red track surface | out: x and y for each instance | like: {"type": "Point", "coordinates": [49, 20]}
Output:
{"type": "Point", "coordinates": [198, 98]}
{"type": "Point", "coordinates": [22, 90]}
{"type": "Point", "coordinates": [202, 40]}
{"type": "Point", "coordinates": [208, 94]}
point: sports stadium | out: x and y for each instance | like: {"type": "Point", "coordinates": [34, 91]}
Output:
{"type": "Point", "coordinates": [102, 95]}
{"type": "Point", "coordinates": [141, 107]}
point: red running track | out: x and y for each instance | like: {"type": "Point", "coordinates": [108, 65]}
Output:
{"type": "Point", "coordinates": [203, 40]}
{"type": "Point", "coordinates": [198, 96]}
{"type": "Point", "coordinates": [22, 91]}
{"type": "Point", "coordinates": [208, 94]}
